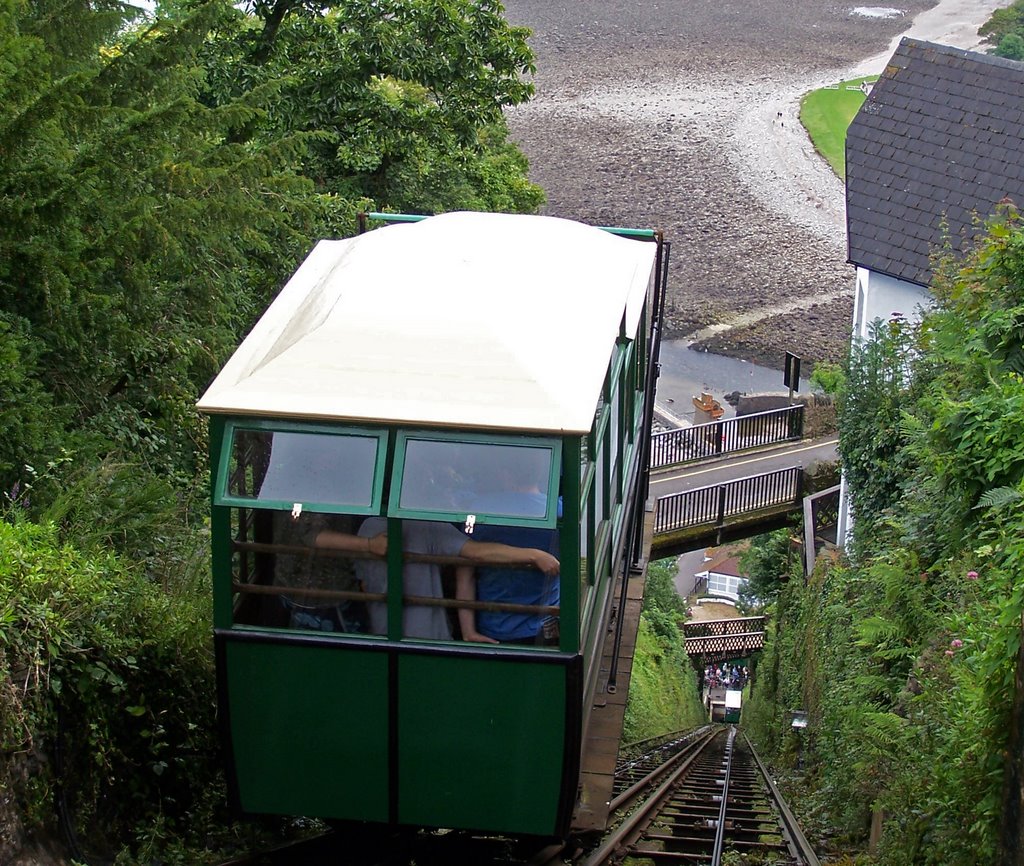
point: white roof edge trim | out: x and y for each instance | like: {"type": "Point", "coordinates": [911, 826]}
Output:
{"type": "Point", "coordinates": [642, 283]}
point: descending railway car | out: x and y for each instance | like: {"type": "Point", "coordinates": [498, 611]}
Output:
{"type": "Point", "coordinates": [733, 705]}
{"type": "Point", "coordinates": [427, 416]}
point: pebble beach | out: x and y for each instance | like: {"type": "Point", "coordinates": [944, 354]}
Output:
{"type": "Point", "coordinates": [683, 116]}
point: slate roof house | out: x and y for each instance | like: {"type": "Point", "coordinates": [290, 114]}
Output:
{"type": "Point", "coordinates": [938, 143]}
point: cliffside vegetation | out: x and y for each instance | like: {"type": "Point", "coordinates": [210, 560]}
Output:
{"type": "Point", "coordinates": [106, 704]}
{"type": "Point", "coordinates": [1004, 31]}
{"type": "Point", "coordinates": [663, 686]}
{"type": "Point", "coordinates": [906, 654]}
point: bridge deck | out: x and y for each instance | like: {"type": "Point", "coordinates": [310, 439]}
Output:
{"type": "Point", "coordinates": [693, 512]}
{"type": "Point", "coordinates": [718, 640]}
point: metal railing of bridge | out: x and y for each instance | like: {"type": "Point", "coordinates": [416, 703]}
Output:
{"type": "Point", "coordinates": [713, 627]}
{"type": "Point", "coordinates": [712, 505]}
{"type": "Point", "coordinates": [723, 646]}
{"type": "Point", "coordinates": [711, 641]}
{"type": "Point", "coordinates": [727, 436]}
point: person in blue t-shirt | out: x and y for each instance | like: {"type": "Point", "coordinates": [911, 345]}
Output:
{"type": "Point", "coordinates": [518, 585]}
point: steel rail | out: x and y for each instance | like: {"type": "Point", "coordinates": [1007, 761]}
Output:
{"type": "Point", "coordinates": [796, 841]}
{"type": "Point", "coordinates": [635, 822]}
{"type": "Point", "coordinates": [660, 739]}
{"type": "Point", "coordinates": [718, 850]}
{"type": "Point", "coordinates": [630, 794]}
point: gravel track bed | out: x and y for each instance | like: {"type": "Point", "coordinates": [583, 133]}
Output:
{"type": "Point", "coordinates": [666, 114]}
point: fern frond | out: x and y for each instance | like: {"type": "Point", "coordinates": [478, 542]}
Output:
{"type": "Point", "coordinates": [998, 497]}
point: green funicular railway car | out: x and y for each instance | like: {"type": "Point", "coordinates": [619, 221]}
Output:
{"type": "Point", "coordinates": [432, 382]}
{"type": "Point", "coordinates": [733, 705]}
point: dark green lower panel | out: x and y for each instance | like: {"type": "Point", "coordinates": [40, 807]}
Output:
{"type": "Point", "coordinates": [470, 740]}
{"type": "Point", "coordinates": [308, 729]}
{"type": "Point", "coordinates": [480, 743]}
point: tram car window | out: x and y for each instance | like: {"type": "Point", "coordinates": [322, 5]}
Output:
{"type": "Point", "coordinates": [426, 459]}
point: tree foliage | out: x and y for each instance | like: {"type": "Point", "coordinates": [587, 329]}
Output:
{"type": "Point", "coordinates": [402, 99]}
{"type": "Point", "coordinates": [135, 238]}
{"type": "Point", "coordinates": [876, 391]}
{"type": "Point", "coordinates": [161, 174]}
{"type": "Point", "coordinates": [767, 563]}
{"type": "Point", "coordinates": [1005, 31]}
{"type": "Point", "coordinates": [161, 177]}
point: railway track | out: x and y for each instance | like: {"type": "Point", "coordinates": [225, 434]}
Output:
{"type": "Point", "coordinates": [706, 796]}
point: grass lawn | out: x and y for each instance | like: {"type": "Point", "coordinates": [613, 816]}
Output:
{"type": "Point", "coordinates": [826, 114]}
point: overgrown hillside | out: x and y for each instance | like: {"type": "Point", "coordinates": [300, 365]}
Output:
{"type": "Point", "coordinates": [106, 701]}
{"type": "Point", "coordinates": [663, 693]}
{"type": "Point", "coordinates": [906, 654]}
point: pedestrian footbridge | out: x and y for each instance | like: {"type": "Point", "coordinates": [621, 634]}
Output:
{"type": "Point", "coordinates": [736, 478]}
{"type": "Point", "coordinates": [718, 640]}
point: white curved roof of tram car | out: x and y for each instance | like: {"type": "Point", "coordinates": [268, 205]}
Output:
{"type": "Point", "coordinates": [464, 319]}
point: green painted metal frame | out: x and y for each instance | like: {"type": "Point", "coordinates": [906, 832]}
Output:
{"type": "Point", "coordinates": [220, 534]}
{"type": "Point", "coordinates": [569, 551]}
{"type": "Point", "coordinates": [640, 234]}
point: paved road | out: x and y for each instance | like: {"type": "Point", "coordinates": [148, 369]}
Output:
{"type": "Point", "coordinates": [665, 482]}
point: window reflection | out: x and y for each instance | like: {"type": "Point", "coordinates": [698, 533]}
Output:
{"type": "Point", "coordinates": [303, 467]}
{"type": "Point", "coordinates": [467, 476]}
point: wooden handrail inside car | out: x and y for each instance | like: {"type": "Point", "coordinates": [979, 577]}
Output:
{"type": "Point", "coordinates": [309, 592]}
{"type": "Point", "coordinates": [424, 600]}
{"type": "Point", "coordinates": [305, 550]}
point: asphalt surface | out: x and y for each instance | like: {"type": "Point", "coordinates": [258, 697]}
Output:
{"type": "Point", "coordinates": [683, 478]}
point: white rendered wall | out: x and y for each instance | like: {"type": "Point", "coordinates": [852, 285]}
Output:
{"type": "Point", "coordinates": [878, 297]}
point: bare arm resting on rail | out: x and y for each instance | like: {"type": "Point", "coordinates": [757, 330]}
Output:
{"type": "Point", "coordinates": [487, 552]}
{"type": "Point", "coordinates": [465, 590]}
{"type": "Point", "coordinates": [377, 544]}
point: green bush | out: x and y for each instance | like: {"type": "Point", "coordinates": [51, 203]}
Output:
{"type": "Point", "coordinates": [663, 685]}
{"type": "Point", "coordinates": [100, 665]}
{"type": "Point", "coordinates": [767, 563]}
{"type": "Point", "coordinates": [1005, 31]}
